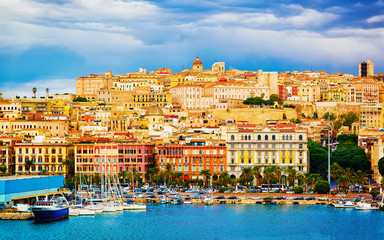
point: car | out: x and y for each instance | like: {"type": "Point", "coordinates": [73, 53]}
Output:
{"type": "Point", "coordinates": [195, 196]}
{"type": "Point", "coordinates": [284, 191]}
{"type": "Point", "coordinates": [280, 198]}
{"type": "Point", "coordinates": [220, 197]}
{"type": "Point", "coordinates": [298, 198]}
{"type": "Point", "coordinates": [252, 191]}
{"type": "Point", "coordinates": [310, 198]}
{"type": "Point", "coordinates": [290, 192]}
{"type": "Point", "coordinates": [173, 192]}
{"type": "Point", "coordinates": [255, 198]}
{"type": "Point", "coordinates": [289, 198]}
{"type": "Point", "coordinates": [151, 196]}
{"type": "Point", "coordinates": [232, 197]}
{"type": "Point", "coordinates": [139, 196]}
{"type": "Point", "coordinates": [203, 192]}
{"type": "Point", "coordinates": [227, 191]}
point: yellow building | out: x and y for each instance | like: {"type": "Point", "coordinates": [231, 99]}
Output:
{"type": "Point", "coordinates": [335, 95]}
{"type": "Point", "coordinates": [46, 158]}
{"type": "Point", "coordinates": [371, 116]}
{"type": "Point", "coordinates": [248, 146]}
{"type": "Point", "coordinates": [146, 100]}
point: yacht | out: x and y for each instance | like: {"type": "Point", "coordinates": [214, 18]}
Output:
{"type": "Point", "coordinates": [367, 206]}
{"type": "Point", "coordinates": [51, 210]}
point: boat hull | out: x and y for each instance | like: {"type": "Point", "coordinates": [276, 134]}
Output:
{"type": "Point", "coordinates": [47, 215]}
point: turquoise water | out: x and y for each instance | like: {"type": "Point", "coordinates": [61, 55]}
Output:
{"type": "Point", "coordinates": [209, 222]}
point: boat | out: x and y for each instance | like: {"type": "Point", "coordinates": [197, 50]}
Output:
{"type": "Point", "coordinates": [164, 200]}
{"type": "Point", "coordinates": [343, 204]}
{"type": "Point", "coordinates": [136, 207]}
{"type": "Point", "coordinates": [208, 200]}
{"type": "Point", "coordinates": [187, 200]}
{"type": "Point", "coordinates": [50, 210]}
{"type": "Point", "coordinates": [176, 200]}
{"type": "Point", "coordinates": [73, 212]}
{"type": "Point", "coordinates": [367, 206]}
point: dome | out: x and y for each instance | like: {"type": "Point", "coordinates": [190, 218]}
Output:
{"type": "Point", "coordinates": [154, 111]}
{"type": "Point", "coordinates": [197, 62]}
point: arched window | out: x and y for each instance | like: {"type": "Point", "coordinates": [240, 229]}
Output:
{"type": "Point", "coordinates": [283, 137]}
{"type": "Point", "coordinates": [249, 137]}
{"type": "Point", "coordinates": [258, 137]}
{"type": "Point", "coordinates": [300, 137]}
{"type": "Point", "coordinates": [290, 137]}
{"type": "Point", "coordinates": [232, 137]}
{"type": "Point", "coordinates": [266, 137]}
{"type": "Point", "coordinates": [273, 137]}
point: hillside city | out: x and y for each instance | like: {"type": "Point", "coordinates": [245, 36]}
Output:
{"type": "Point", "coordinates": [200, 123]}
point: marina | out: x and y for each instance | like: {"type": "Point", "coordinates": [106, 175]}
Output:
{"type": "Point", "coordinates": [218, 221]}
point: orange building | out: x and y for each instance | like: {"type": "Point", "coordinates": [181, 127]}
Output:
{"type": "Point", "coordinates": [194, 156]}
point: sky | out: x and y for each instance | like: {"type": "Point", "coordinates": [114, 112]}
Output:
{"type": "Point", "coordinates": [49, 43]}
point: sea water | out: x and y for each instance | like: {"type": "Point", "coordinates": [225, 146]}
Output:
{"type": "Point", "coordinates": [209, 222]}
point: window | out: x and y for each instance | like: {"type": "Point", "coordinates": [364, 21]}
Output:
{"type": "Point", "coordinates": [300, 137]}
{"type": "Point", "coordinates": [266, 137]}
{"type": "Point", "coordinates": [232, 137]}
{"type": "Point", "coordinates": [273, 137]}
{"type": "Point", "coordinates": [258, 137]}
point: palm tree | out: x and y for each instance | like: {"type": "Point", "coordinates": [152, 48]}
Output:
{"type": "Point", "coordinates": [300, 178]}
{"type": "Point", "coordinates": [224, 179]}
{"type": "Point", "coordinates": [47, 91]}
{"type": "Point", "coordinates": [34, 90]}
{"type": "Point", "coordinates": [268, 175]}
{"type": "Point", "coordinates": [307, 178]}
{"type": "Point", "coordinates": [292, 175]}
{"type": "Point", "coordinates": [3, 169]}
{"type": "Point", "coordinates": [246, 176]}
{"type": "Point", "coordinates": [28, 164]}
{"type": "Point", "coordinates": [279, 174]}
{"type": "Point", "coordinates": [349, 173]}
{"type": "Point", "coordinates": [344, 184]}
{"type": "Point", "coordinates": [257, 173]}
{"type": "Point", "coordinates": [336, 172]}
{"type": "Point", "coordinates": [152, 172]}
{"type": "Point", "coordinates": [179, 177]}
{"type": "Point", "coordinates": [69, 167]}
{"type": "Point", "coordinates": [123, 175]}
{"type": "Point", "coordinates": [168, 172]}
{"type": "Point", "coordinates": [206, 173]}
{"type": "Point", "coordinates": [134, 175]}
{"type": "Point", "coordinates": [382, 183]}
{"type": "Point", "coordinates": [360, 178]}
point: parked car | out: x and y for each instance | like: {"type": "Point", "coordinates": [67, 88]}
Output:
{"type": "Point", "coordinates": [310, 198]}
{"type": "Point", "coordinates": [220, 197]}
{"type": "Point", "coordinates": [280, 198]}
{"type": "Point", "coordinates": [252, 191]}
{"type": "Point", "coordinates": [298, 198]}
{"type": "Point", "coordinates": [232, 197]}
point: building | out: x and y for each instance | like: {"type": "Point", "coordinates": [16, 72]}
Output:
{"type": "Point", "coordinates": [146, 100]}
{"type": "Point", "coordinates": [266, 147]}
{"type": "Point", "coordinates": [371, 116]}
{"type": "Point", "coordinates": [218, 67]}
{"type": "Point", "coordinates": [366, 69]}
{"type": "Point", "coordinates": [112, 158]}
{"type": "Point", "coordinates": [193, 156]}
{"type": "Point", "coordinates": [197, 65]}
{"type": "Point", "coordinates": [155, 118]}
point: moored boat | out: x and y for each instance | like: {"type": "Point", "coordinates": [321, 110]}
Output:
{"type": "Point", "coordinates": [51, 210]}
{"type": "Point", "coordinates": [367, 206]}
{"type": "Point", "coordinates": [208, 200]}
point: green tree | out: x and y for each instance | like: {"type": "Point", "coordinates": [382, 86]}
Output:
{"type": "Point", "coordinates": [276, 98]}
{"type": "Point", "coordinates": [224, 179]}
{"type": "Point", "coordinates": [374, 193]}
{"type": "Point", "coordinates": [298, 190]}
{"type": "Point", "coordinates": [344, 184]}
{"type": "Point", "coordinates": [284, 116]}
{"type": "Point", "coordinates": [318, 156]}
{"type": "Point", "coordinates": [69, 166]}
{"type": "Point", "coordinates": [327, 116]}
{"type": "Point", "coordinates": [349, 118]}
{"type": "Point", "coordinates": [292, 175]}
{"type": "Point", "coordinates": [34, 90]}
{"type": "Point", "coordinates": [28, 164]}
{"type": "Point", "coordinates": [152, 172]}
{"type": "Point", "coordinates": [246, 176]}
{"type": "Point", "coordinates": [360, 177]}
{"type": "Point", "coordinates": [381, 166]}
{"type": "Point", "coordinates": [134, 176]}
{"type": "Point", "coordinates": [257, 173]}
{"type": "Point", "coordinates": [279, 172]}
{"type": "Point", "coordinates": [336, 172]}
{"type": "Point", "coordinates": [350, 155]}
{"type": "Point", "coordinates": [80, 99]}
{"type": "Point", "coordinates": [338, 124]}
{"type": "Point", "coordinates": [268, 175]}
{"type": "Point", "coordinates": [3, 169]}
{"type": "Point", "coordinates": [322, 187]}
{"type": "Point", "coordinates": [47, 91]}
{"type": "Point", "coordinates": [315, 115]}
{"type": "Point", "coordinates": [342, 138]}
{"type": "Point", "coordinates": [206, 173]}
{"type": "Point", "coordinates": [168, 172]}
{"type": "Point", "coordinates": [123, 174]}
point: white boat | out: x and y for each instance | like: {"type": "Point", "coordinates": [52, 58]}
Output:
{"type": "Point", "coordinates": [343, 204]}
{"type": "Point", "coordinates": [208, 200]}
{"type": "Point", "coordinates": [86, 212]}
{"type": "Point", "coordinates": [22, 207]}
{"type": "Point", "coordinates": [187, 200]}
{"type": "Point", "coordinates": [164, 200]}
{"type": "Point", "coordinates": [367, 206]}
{"type": "Point", "coordinates": [97, 208]}
{"type": "Point", "coordinates": [73, 212]}
{"type": "Point", "coordinates": [109, 207]}
{"type": "Point", "coordinates": [135, 207]}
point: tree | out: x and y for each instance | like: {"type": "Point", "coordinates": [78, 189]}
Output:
{"type": "Point", "coordinates": [168, 172]}
{"type": "Point", "coordinates": [342, 138]}
{"type": "Point", "coordinates": [268, 175]}
{"type": "Point", "coordinates": [307, 180]}
{"type": "Point", "coordinates": [279, 174]}
{"type": "Point", "coordinates": [349, 118]}
{"type": "Point", "coordinates": [338, 124]}
{"type": "Point", "coordinates": [133, 176]}
{"type": "Point", "coordinates": [206, 173]}
{"type": "Point", "coordinates": [47, 91]}
{"type": "Point", "coordinates": [350, 155]}
{"type": "Point", "coordinates": [80, 99]}
{"type": "Point", "coordinates": [374, 193]}
{"type": "Point", "coordinates": [69, 167]}
{"type": "Point", "coordinates": [360, 178]}
{"type": "Point", "coordinates": [336, 172]}
{"type": "Point", "coordinates": [329, 116]}
{"type": "Point", "coordinates": [344, 184]}
{"type": "Point", "coordinates": [3, 169]}
{"type": "Point", "coordinates": [292, 175]}
{"type": "Point", "coordinates": [381, 166]}
{"type": "Point", "coordinates": [28, 164]}
{"type": "Point", "coordinates": [297, 190]}
{"type": "Point", "coordinates": [284, 116]}
{"type": "Point", "coordinates": [318, 158]}
{"type": "Point", "coordinates": [224, 179]}
{"type": "Point", "coordinates": [123, 174]}
{"type": "Point", "coordinates": [276, 98]}
{"type": "Point", "coordinates": [152, 172]}
{"type": "Point", "coordinates": [34, 90]}
{"type": "Point", "coordinates": [246, 176]}
{"type": "Point", "coordinates": [315, 115]}
{"type": "Point", "coordinates": [322, 187]}
{"type": "Point", "coordinates": [257, 173]}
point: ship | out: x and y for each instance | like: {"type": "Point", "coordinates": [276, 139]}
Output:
{"type": "Point", "coordinates": [51, 210]}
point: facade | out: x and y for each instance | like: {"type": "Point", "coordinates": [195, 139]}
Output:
{"type": "Point", "coordinates": [266, 148]}
{"type": "Point", "coordinates": [146, 100]}
{"type": "Point", "coordinates": [371, 116]}
{"type": "Point", "coordinates": [192, 157]}
{"type": "Point", "coordinates": [218, 67]}
{"type": "Point", "coordinates": [197, 65]}
{"type": "Point", "coordinates": [46, 157]}
{"type": "Point", "coordinates": [112, 158]}
{"type": "Point", "coordinates": [7, 157]}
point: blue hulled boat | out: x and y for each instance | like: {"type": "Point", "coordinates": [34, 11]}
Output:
{"type": "Point", "coordinates": [51, 210]}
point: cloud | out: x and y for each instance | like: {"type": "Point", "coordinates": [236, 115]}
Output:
{"type": "Point", "coordinates": [376, 19]}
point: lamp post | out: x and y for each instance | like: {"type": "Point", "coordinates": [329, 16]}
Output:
{"type": "Point", "coordinates": [329, 152]}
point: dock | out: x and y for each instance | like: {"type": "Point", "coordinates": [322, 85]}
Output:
{"type": "Point", "coordinates": [13, 214]}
